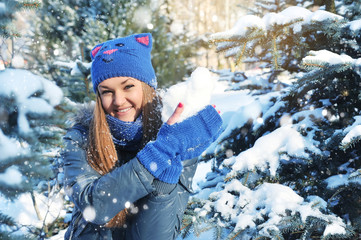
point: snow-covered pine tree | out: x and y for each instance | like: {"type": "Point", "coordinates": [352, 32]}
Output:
{"type": "Point", "coordinates": [28, 130]}
{"type": "Point", "coordinates": [287, 165]}
{"type": "Point", "coordinates": [276, 39]}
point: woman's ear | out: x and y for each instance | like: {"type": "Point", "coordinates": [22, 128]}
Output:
{"type": "Point", "coordinates": [95, 50]}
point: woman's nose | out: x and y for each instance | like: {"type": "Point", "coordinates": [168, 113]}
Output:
{"type": "Point", "coordinates": [119, 99]}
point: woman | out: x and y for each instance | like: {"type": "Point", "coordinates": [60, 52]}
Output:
{"type": "Point", "coordinates": [128, 175]}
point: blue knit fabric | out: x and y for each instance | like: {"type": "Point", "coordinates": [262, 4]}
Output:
{"type": "Point", "coordinates": [172, 172]}
{"type": "Point", "coordinates": [126, 135]}
{"type": "Point", "coordinates": [124, 57]}
{"type": "Point", "coordinates": [180, 141]}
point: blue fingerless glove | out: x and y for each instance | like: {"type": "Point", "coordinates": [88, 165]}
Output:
{"type": "Point", "coordinates": [183, 140]}
{"type": "Point", "coordinates": [204, 132]}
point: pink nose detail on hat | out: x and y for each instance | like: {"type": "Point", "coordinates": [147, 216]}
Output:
{"type": "Point", "coordinates": [110, 51]}
{"type": "Point", "coordinates": [143, 40]}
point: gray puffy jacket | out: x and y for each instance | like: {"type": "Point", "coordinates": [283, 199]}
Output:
{"type": "Point", "coordinates": [157, 207]}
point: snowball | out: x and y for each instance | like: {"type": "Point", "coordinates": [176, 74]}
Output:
{"type": "Point", "coordinates": [194, 93]}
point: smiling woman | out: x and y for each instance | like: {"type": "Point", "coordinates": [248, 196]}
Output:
{"type": "Point", "coordinates": [129, 174]}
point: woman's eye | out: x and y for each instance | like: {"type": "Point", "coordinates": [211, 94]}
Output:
{"type": "Point", "coordinates": [129, 86]}
{"type": "Point", "coordinates": [105, 92]}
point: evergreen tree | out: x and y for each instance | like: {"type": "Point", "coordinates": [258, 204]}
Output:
{"type": "Point", "coordinates": [277, 43]}
{"type": "Point", "coordinates": [306, 147]}
{"type": "Point", "coordinates": [29, 125]}
{"type": "Point", "coordinates": [28, 130]}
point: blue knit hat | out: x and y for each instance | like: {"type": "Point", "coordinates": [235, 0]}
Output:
{"type": "Point", "coordinates": [124, 57]}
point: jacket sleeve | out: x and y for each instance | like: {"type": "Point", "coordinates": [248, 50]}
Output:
{"type": "Point", "coordinates": [99, 197]}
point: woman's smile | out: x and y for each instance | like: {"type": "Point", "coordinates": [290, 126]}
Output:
{"type": "Point", "coordinates": [121, 113]}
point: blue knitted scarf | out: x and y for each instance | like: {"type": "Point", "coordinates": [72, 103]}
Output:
{"type": "Point", "coordinates": [126, 135]}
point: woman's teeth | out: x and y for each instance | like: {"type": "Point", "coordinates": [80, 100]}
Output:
{"type": "Point", "coordinates": [124, 110]}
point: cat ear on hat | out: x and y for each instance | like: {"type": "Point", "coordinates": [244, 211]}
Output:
{"type": "Point", "coordinates": [144, 39]}
{"type": "Point", "coordinates": [95, 50]}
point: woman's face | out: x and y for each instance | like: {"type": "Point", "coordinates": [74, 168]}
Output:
{"type": "Point", "coordinates": [121, 97]}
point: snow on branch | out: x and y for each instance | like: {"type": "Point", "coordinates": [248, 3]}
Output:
{"type": "Point", "coordinates": [266, 152]}
{"type": "Point", "coordinates": [325, 58]}
{"type": "Point", "coordinates": [249, 28]}
{"type": "Point", "coordinates": [270, 204]}
{"type": "Point", "coordinates": [32, 94]}
{"type": "Point", "coordinates": [352, 134]}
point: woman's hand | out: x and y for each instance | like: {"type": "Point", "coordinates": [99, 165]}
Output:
{"type": "Point", "coordinates": [176, 114]}
{"type": "Point", "coordinates": [178, 141]}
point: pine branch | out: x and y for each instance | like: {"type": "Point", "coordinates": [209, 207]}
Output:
{"type": "Point", "coordinates": [234, 234]}
{"type": "Point", "coordinates": [29, 5]}
{"type": "Point", "coordinates": [275, 51]}
{"type": "Point", "coordinates": [226, 43]}
{"type": "Point", "coordinates": [350, 144]}
{"type": "Point", "coordinates": [262, 238]}
{"type": "Point", "coordinates": [186, 230]}
{"type": "Point", "coordinates": [6, 220]}
{"type": "Point", "coordinates": [355, 175]}
{"type": "Point", "coordinates": [350, 234]}
{"type": "Point", "coordinates": [240, 54]}
{"type": "Point", "coordinates": [217, 234]}
{"type": "Point", "coordinates": [291, 224]}
{"type": "Point", "coordinates": [312, 224]}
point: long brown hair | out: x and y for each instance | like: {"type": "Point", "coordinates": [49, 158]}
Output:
{"type": "Point", "coordinates": [102, 155]}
